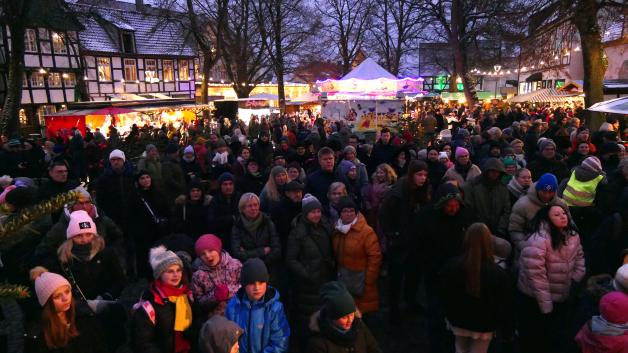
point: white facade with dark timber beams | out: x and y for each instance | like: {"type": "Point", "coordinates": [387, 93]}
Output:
{"type": "Point", "coordinates": [129, 49]}
{"type": "Point", "coordinates": [52, 63]}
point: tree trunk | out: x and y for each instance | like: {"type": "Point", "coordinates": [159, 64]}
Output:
{"type": "Point", "coordinates": [457, 46]}
{"type": "Point", "coordinates": [279, 59]}
{"type": "Point", "coordinates": [207, 66]}
{"type": "Point", "coordinates": [593, 61]}
{"type": "Point", "coordinates": [10, 120]}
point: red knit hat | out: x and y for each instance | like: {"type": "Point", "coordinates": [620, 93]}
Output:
{"type": "Point", "coordinates": [614, 307]}
{"type": "Point", "coordinates": [207, 242]}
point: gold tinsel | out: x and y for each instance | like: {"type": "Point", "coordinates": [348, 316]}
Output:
{"type": "Point", "coordinates": [30, 214]}
{"type": "Point", "coordinates": [13, 291]}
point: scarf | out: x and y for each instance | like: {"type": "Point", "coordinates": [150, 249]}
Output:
{"type": "Point", "coordinates": [345, 228]}
{"type": "Point", "coordinates": [515, 188]}
{"type": "Point", "coordinates": [82, 252]}
{"type": "Point", "coordinates": [251, 225]}
{"type": "Point", "coordinates": [602, 327]}
{"type": "Point", "coordinates": [463, 169]}
{"type": "Point", "coordinates": [178, 296]}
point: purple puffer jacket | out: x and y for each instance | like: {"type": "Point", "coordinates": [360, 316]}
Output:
{"type": "Point", "coordinates": [205, 280]}
{"type": "Point", "coordinates": [546, 274]}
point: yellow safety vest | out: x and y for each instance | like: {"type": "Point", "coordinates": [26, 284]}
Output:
{"type": "Point", "coordinates": [580, 193]}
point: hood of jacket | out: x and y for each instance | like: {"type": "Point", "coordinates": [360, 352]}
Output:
{"type": "Point", "coordinates": [219, 334]}
{"type": "Point", "coordinates": [320, 325]}
{"type": "Point", "coordinates": [534, 197]}
{"type": "Point", "coordinates": [584, 175]}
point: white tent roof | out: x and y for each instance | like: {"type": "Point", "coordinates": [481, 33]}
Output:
{"type": "Point", "coordinates": [617, 106]}
{"type": "Point", "coordinates": [368, 70]}
{"type": "Point", "coordinates": [545, 95]}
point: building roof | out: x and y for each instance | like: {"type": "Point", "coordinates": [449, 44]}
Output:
{"type": "Point", "coordinates": [153, 35]}
{"type": "Point", "coordinates": [368, 70]}
{"type": "Point", "coordinates": [52, 14]}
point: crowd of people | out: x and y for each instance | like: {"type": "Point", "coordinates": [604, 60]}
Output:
{"type": "Point", "coordinates": [295, 235]}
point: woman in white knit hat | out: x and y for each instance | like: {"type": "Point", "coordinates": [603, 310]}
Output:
{"type": "Point", "coordinates": [95, 273]}
{"type": "Point", "coordinates": [63, 329]}
{"type": "Point", "coordinates": [162, 319]}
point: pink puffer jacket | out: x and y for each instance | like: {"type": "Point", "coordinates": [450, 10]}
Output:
{"type": "Point", "coordinates": [546, 274]}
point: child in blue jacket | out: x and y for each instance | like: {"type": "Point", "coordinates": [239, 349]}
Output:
{"type": "Point", "coordinates": [257, 309]}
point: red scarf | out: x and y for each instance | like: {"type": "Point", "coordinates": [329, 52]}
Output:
{"type": "Point", "coordinates": [162, 290]}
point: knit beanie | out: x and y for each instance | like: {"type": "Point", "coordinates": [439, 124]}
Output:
{"type": "Point", "coordinates": [253, 270]}
{"type": "Point", "coordinates": [337, 301]}
{"type": "Point", "coordinates": [293, 186]}
{"type": "Point", "coordinates": [117, 154]}
{"type": "Point", "coordinates": [3, 195]}
{"type": "Point", "coordinates": [620, 282]}
{"type": "Point", "coordinates": [208, 242]}
{"type": "Point", "coordinates": [346, 202]}
{"type": "Point", "coordinates": [189, 149]}
{"type": "Point", "coordinates": [547, 182]}
{"type": "Point", "coordinates": [346, 166]}
{"type": "Point", "coordinates": [277, 170]}
{"type": "Point", "coordinates": [493, 164]}
{"type": "Point", "coordinates": [195, 184]}
{"type": "Point", "coordinates": [442, 155]}
{"type": "Point", "coordinates": [461, 151]}
{"type": "Point", "coordinates": [614, 308]}
{"type": "Point", "coordinates": [309, 203]}
{"type": "Point", "coordinates": [172, 148]}
{"type": "Point", "coordinates": [20, 197]}
{"type": "Point", "coordinates": [161, 258]}
{"type": "Point", "coordinates": [593, 164]}
{"type": "Point", "coordinates": [446, 192]}
{"type": "Point", "coordinates": [348, 149]}
{"type": "Point", "coordinates": [509, 162]}
{"type": "Point", "coordinates": [80, 223]}
{"type": "Point", "coordinates": [150, 147]}
{"type": "Point", "coordinates": [546, 143]}
{"type": "Point", "coordinates": [83, 193]}
{"type": "Point", "coordinates": [226, 176]}
{"type": "Point", "coordinates": [46, 283]}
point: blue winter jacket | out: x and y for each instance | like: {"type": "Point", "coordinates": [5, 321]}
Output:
{"type": "Point", "coordinates": [265, 325]}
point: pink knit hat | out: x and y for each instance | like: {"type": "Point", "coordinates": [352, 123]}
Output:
{"type": "Point", "coordinates": [46, 284]}
{"type": "Point", "coordinates": [5, 192]}
{"type": "Point", "coordinates": [80, 223]}
{"type": "Point", "coordinates": [614, 307]}
{"type": "Point", "coordinates": [207, 242]}
{"type": "Point", "coordinates": [460, 151]}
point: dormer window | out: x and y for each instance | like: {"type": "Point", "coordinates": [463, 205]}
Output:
{"type": "Point", "coordinates": [127, 41]}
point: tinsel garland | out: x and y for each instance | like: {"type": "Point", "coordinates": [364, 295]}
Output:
{"type": "Point", "coordinates": [30, 214]}
{"type": "Point", "coordinates": [15, 224]}
{"type": "Point", "coordinates": [13, 291]}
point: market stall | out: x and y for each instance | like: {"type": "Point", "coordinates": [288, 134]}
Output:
{"type": "Point", "coordinates": [368, 97]}
{"type": "Point", "coordinates": [549, 95]}
{"type": "Point", "coordinates": [613, 106]}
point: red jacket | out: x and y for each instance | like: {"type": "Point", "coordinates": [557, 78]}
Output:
{"type": "Point", "coordinates": [590, 342]}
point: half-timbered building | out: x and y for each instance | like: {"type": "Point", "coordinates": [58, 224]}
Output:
{"type": "Point", "coordinates": [128, 48]}
{"type": "Point", "coordinates": [52, 63]}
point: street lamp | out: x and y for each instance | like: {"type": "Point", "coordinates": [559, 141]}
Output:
{"type": "Point", "coordinates": [497, 68]}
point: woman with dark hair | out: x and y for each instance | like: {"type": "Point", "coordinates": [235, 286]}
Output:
{"type": "Point", "coordinates": [551, 261]}
{"type": "Point", "coordinates": [190, 213]}
{"type": "Point", "coordinates": [476, 292]}
{"type": "Point", "coordinates": [150, 223]}
{"type": "Point", "coordinates": [410, 195]}
{"type": "Point", "coordinates": [62, 328]}
{"type": "Point", "coordinates": [400, 161]}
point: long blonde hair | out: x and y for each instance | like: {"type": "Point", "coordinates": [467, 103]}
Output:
{"type": "Point", "coordinates": [391, 175]}
{"type": "Point", "coordinates": [272, 191]}
{"type": "Point", "coordinates": [65, 250]}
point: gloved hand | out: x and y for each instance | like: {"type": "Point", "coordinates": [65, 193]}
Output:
{"type": "Point", "coordinates": [221, 292]}
{"type": "Point", "coordinates": [97, 305]}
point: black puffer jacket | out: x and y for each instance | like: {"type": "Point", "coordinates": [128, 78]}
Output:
{"type": "Point", "coordinates": [147, 337]}
{"type": "Point", "coordinates": [283, 215]}
{"type": "Point", "coordinates": [247, 246]}
{"type": "Point", "coordinates": [114, 195]}
{"type": "Point", "coordinates": [310, 260]}
{"type": "Point", "coordinates": [326, 339]}
{"type": "Point", "coordinates": [220, 217]}
{"type": "Point", "coordinates": [102, 275]}
{"type": "Point", "coordinates": [542, 165]}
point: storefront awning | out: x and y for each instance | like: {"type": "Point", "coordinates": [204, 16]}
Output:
{"type": "Point", "coordinates": [537, 76]}
{"type": "Point", "coordinates": [546, 95]}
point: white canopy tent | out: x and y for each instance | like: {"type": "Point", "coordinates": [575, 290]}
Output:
{"type": "Point", "coordinates": [368, 70]}
{"type": "Point", "coordinates": [613, 106]}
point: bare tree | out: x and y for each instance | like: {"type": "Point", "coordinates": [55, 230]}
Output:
{"type": "Point", "coordinates": [394, 32]}
{"type": "Point", "coordinates": [283, 28]}
{"type": "Point", "coordinates": [346, 25]}
{"type": "Point", "coordinates": [461, 23]}
{"type": "Point", "coordinates": [15, 15]}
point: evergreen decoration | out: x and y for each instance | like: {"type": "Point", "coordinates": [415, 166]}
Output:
{"type": "Point", "coordinates": [13, 291]}
{"type": "Point", "coordinates": [31, 214]}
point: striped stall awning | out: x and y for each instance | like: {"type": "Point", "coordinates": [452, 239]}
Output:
{"type": "Point", "coordinates": [545, 95]}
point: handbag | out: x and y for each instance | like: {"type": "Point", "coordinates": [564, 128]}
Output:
{"type": "Point", "coordinates": [354, 280]}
